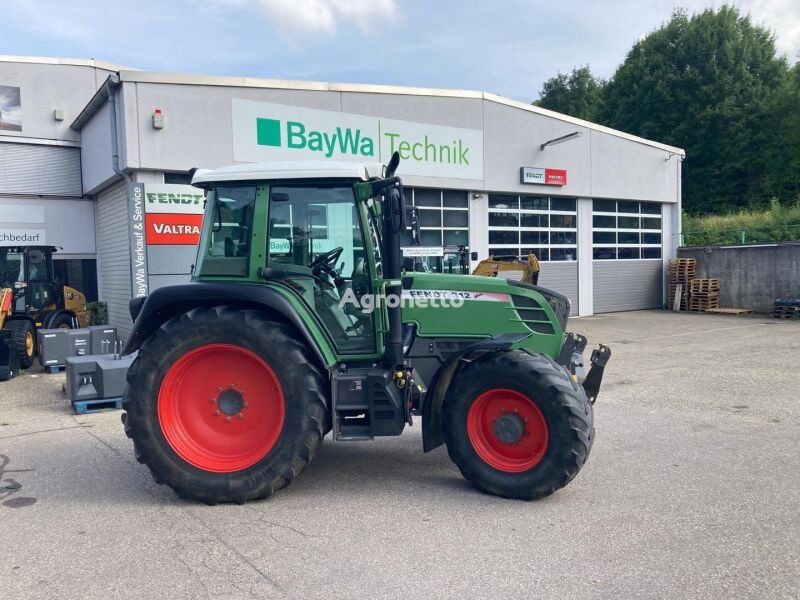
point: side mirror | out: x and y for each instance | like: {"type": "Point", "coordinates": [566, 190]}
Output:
{"type": "Point", "coordinates": [412, 223]}
{"type": "Point", "coordinates": [397, 210]}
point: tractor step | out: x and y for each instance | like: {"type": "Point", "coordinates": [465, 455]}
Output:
{"type": "Point", "coordinates": [85, 407]}
{"type": "Point", "coordinates": [366, 404]}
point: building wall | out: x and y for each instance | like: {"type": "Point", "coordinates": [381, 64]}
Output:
{"type": "Point", "coordinates": [68, 223]}
{"type": "Point", "coordinates": [96, 166]}
{"type": "Point", "coordinates": [46, 85]}
{"type": "Point", "coordinates": [751, 277]}
{"type": "Point", "coordinates": [599, 164]}
{"type": "Point", "coordinates": [113, 254]}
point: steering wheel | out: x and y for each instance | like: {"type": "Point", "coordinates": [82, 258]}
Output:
{"type": "Point", "coordinates": [326, 263]}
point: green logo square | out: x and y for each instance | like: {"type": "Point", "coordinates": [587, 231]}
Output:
{"type": "Point", "coordinates": [268, 132]}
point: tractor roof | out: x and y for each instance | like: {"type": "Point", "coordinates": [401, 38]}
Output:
{"type": "Point", "coordinates": [289, 170]}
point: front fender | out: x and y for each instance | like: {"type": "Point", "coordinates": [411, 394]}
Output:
{"type": "Point", "coordinates": [434, 400]}
{"type": "Point", "coordinates": [151, 312]}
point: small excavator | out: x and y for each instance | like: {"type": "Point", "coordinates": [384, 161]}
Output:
{"type": "Point", "coordinates": [32, 297]}
{"type": "Point", "coordinates": [510, 267]}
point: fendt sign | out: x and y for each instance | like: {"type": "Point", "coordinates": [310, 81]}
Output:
{"type": "Point", "coordinates": [174, 215]}
{"type": "Point", "coordinates": [264, 131]}
{"type": "Point", "coordinates": [541, 176]}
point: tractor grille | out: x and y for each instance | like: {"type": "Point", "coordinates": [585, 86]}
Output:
{"type": "Point", "coordinates": [531, 314]}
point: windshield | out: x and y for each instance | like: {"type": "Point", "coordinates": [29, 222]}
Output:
{"type": "Point", "coordinates": [11, 270]}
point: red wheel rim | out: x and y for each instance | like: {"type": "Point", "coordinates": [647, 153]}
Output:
{"type": "Point", "coordinates": [519, 422]}
{"type": "Point", "coordinates": [221, 408]}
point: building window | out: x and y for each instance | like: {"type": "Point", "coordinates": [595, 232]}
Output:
{"type": "Point", "coordinates": [78, 273]}
{"type": "Point", "coordinates": [443, 217]}
{"type": "Point", "coordinates": [179, 178]}
{"type": "Point", "coordinates": [626, 230]}
{"type": "Point", "coordinates": [542, 225]}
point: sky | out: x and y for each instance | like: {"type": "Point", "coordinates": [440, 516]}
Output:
{"type": "Point", "coordinates": [507, 47]}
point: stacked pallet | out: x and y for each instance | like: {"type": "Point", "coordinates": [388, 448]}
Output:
{"type": "Point", "coordinates": [703, 294]}
{"type": "Point", "coordinates": [681, 271]}
{"type": "Point", "coordinates": [786, 308]}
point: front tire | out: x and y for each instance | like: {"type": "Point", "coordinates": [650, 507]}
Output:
{"type": "Point", "coordinates": [517, 426]}
{"type": "Point", "coordinates": [225, 405]}
{"type": "Point", "coordinates": [61, 321]}
{"type": "Point", "coordinates": [24, 335]}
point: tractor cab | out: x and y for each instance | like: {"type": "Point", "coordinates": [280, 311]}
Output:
{"type": "Point", "coordinates": [303, 318]}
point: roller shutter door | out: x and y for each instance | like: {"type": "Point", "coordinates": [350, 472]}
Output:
{"type": "Point", "coordinates": [627, 246]}
{"type": "Point", "coordinates": [40, 170]}
{"type": "Point", "coordinates": [113, 255]}
{"type": "Point", "coordinates": [561, 278]}
{"type": "Point", "coordinates": [627, 285]}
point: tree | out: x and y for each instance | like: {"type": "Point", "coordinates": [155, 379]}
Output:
{"type": "Point", "coordinates": [778, 131]}
{"type": "Point", "coordinates": [705, 83]}
{"type": "Point", "coordinates": [579, 94]}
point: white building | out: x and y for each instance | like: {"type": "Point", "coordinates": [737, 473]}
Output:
{"type": "Point", "coordinates": [599, 207]}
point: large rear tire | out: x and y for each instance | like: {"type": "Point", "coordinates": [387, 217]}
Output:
{"type": "Point", "coordinates": [225, 405]}
{"type": "Point", "coordinates": [24, 335]}
{"type": "Point", "coordinates": [517, 426]}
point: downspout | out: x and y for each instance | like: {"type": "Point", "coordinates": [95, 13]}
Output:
{"type": "Point", "coordinates": [111, 83]}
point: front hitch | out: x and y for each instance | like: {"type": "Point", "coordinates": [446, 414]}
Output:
{"type": "Point", "coordinates": [591, 385]}
{"type": "Point", "coordinates": [571, 357]}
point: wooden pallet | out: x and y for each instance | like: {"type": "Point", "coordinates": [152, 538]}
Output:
{"type": "Point", "coordinates": [700, 286]}
{"type": "Point", "coordinates": [782, 311]}
{"type": "Point", "coordinates": [703, 302]}
{"type": "Point", "coordinates": [729, 311]}
{"type": "Point", "coordinates": [85, 407]}
{"type": "Point", "coordinates": [677, 262]}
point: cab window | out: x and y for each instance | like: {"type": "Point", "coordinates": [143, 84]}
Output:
{"type": "Point", "coordinates": [227, 231]}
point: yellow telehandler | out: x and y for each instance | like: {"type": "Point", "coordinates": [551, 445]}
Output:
{"type": "Point", "coordinates": [31, 297]}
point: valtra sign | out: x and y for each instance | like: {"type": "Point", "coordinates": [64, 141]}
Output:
{"type": "Point", "coordinates": [264, 131]}
{"type": "Point", "coordinates": [174, 215]}
{"type": "Point", "coordinates": [542, 176]}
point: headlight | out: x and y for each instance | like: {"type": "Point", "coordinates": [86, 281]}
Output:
{"type": "Point", "coordinates": [560, 304]}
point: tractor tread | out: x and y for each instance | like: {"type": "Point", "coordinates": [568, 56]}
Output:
{"type": "Point", "coordinates": [569, 414]}
{"type": "Point", "coordinates": [277, 469]}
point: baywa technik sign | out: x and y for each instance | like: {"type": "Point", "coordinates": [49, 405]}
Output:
{"type": "Point", "coordinates": [265, 131]}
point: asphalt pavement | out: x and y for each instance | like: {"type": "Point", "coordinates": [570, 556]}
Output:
{"type": "Point", "coordinates": [692, 490]}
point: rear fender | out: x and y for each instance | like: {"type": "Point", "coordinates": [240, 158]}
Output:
{"type": "Point", "coordinates": [434, 400]}
{"type": "Point", "coordinates": [151, 312]}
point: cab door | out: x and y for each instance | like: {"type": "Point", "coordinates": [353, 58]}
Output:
{"type": "Point", "coordinates": [316, 234]}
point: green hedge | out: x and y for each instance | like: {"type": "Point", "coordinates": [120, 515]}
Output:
{"type": "Point", "coordinates": [779, 223]}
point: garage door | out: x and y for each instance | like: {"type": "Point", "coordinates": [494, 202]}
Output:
{"type": "Point", "coordinates": [542, 225]}
{"type": "Point", "coordinates": [626, 248]}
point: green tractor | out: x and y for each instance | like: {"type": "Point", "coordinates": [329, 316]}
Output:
{"type": "Point", "coordinates": [300, 321]}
